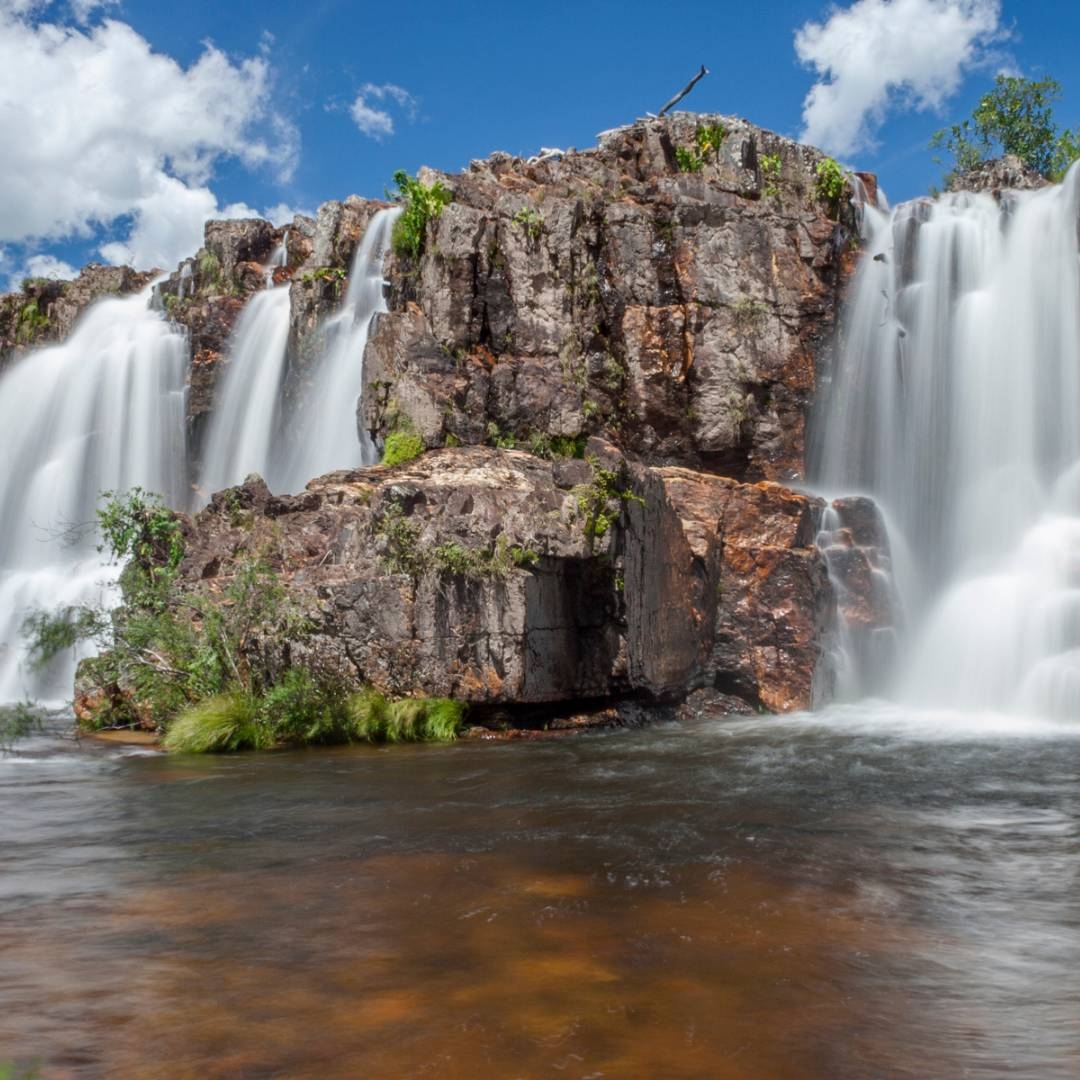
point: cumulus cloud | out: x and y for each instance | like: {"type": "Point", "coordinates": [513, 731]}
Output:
{"type": "Point", "coordinates": [283, 214]}
{"type": "Point", "coordinates": [48, 266]}
{"type": "Point", "coordinates": [83, 9]}
{"type": "Point", "coordinates": [878, 55]}
{"type": "Point", "coordinates": [98, 127]}
{"type": "Point", "coordinates": [377, 121]}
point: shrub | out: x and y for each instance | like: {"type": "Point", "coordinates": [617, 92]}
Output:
{"type": "Point", "coordinates": [300, 710]}
{"type": "Point", "coordinates": [421, 204]}
{"type": "Point", "coordinates": [530, 220]}
{"type": "Point", "coordinates": [401, 447]}
{"type": "Point", "coordinates": [209, 267]}
{"type": "Point", "coordinates": [770, 170]}
{"type": "Point", "coordinates": [217, 724]}
{"type": "Point", "coordinates": [688, 160]}
{"type": "Point", "coordinates": [830, 183]}
{"type": "Point", "coordinates": [602, 502]}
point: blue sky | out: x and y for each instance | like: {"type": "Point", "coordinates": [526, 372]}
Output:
{"type": "Point", "coordinates": [134, 120]}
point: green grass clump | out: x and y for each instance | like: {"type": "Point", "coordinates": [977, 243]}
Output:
{"type": "Point", "coordinates": [216, 725]}
{"type": "Point", "coordinates": [375, 719]}
{"type": "Point", "coordinates": [401, 447]}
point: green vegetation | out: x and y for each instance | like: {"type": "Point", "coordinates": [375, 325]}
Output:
{"type": "Point", "coordinates": [31, 322]}
{"type": "Point", "coordinates": [530, 220]}
{"type": "Point", "coordinates": [602, 502]}
{"type": "Point", "coordinates": [17, 722]}
{"type": "Point", "coordinates": [707, 140]}
{"type": "Point", "coordinates": [193, 663]}
{"type": "Point", "coordinates": [403, 552]}
{"type": "Point", "coordinates": [301, 711]}
{"type": "Point", "coordinates": [770, 170]}
{"type": "Point", "coordinates": [749, 313]}
{"type": "Point", "coordinates": [830, 184]}
{"type": "Point", "coordinates": [1016, 117]}
{"type": "Point", "coordinates": [554, 447]}
{"type": "Point", "coordinates": [209, 268]}
{"type": "Point", "coordinates": [401, 447]}
{"type": "Point", "coordinates": [421, 204]}
{"type": "Point", "coordinates": [335, 275]}
{"type": "Point", "coordinates": [688, 160]}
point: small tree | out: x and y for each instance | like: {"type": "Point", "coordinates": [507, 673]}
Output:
{"type": "Point", "coordinates": [1016, 117]}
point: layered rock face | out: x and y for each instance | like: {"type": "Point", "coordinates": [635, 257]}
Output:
{"type": "Point", "coordinates": [46, 310]}
{"type": "Point", "coordinates": [679, 308]}
{"type": "Point", "coordinates": [484, 575]}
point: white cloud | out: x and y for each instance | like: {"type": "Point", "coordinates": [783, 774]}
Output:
{"type": "Point", "coordinates": [877, 55]}
{"type": "Point", "coordinates": [48, 266]}
{"type": "Point", "coordinates": [377, 123]}
{"type": "Point", "coordinates": [83, 9]}
{"type": "Point", "coordinates": [96, 126]}
{"type": "Point", "coordinates": [283, 214]}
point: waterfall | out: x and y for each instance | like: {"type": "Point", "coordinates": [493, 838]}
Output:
{"type": "Point", "coordinates": [103, 411]}
{"type": "Point", "coordinates": [323, 431]}
{"type": "Point", "coordinates": [955, 404]}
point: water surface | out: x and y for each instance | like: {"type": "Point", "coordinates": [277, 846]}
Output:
{"type": "Point", "coordinates": [860, 895]}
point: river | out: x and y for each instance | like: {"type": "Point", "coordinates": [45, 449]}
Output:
{"type": "Point", "coordinates": [859, 893]}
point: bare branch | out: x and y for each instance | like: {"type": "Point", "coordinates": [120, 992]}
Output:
{"type": "Point", "coordinates": [685, 90]}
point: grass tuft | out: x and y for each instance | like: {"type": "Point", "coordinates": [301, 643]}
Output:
{"type": "Point", "coordinates": [217, 725]}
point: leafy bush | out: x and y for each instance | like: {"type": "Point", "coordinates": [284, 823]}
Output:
{"type": "Point", "coordinates": [707, 139]}
{"type": "Point", "coordinates": [401, 447]}
{"type": "Point", "coordinates": [1016, 117]}
{"type": "Point", "coordinates": [530, 220]}
{"type": "Point", "coordinates": [300, 710]}
{"type": "Point", "coordinates": [421, 204]}
{"type": "Point", "coordinates": [770, 170]}
{"type": "Point", "coordinates": [602, 502]}
{"type": "Point", "coordinates": [688, 160]}
{"type": "Point", "coordinates": [830, 183]}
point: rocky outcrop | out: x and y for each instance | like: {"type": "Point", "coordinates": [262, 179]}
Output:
{"type": "Point", "coordinates": [677, 302]}
{"type": "Point", "coordinates": [1006, 173]}
{"type": "Point", "coordinates": [509, 581]}
{"type": "Point", "coordinates": [45, 310]}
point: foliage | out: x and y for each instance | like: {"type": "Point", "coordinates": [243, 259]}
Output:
{"type": "Point", "coordinates": [138, 525]}
{"type": "Point", "coordinates": [770, 170]}
{"type": "Point", "coordinates": [401, 447]}
{"type": "Point", "coordinates": [422, 204]}
{"type": "Point", "coordinates": [502, 440]}
{"type": "Point", "coordinates": [209, 267]}
{"type": "Point", "coordinates": [530, 220]}
{"type": "Point", "coordinates": [554, 447]}
{"type": "Point", "coordinates": [749, 312]}
{"type": "Point", "coordinates": [602, 502]}
{"type": "Point", "coordinates": [830, 183]}
{"type": "Point", "coordinates": [334, 275]}
{"type": "Point", "coordinates": [1016, 117]}
{"type": "Point", "coordinates": [688, 160]}
{"type": "Point", "coordinates": [17, 722]}
{"type": "Point", "coordinates": [30, 323]}
{"type": "Point", "coordinates": [707, 139]}
{"type": "Point", "coordinates": [299, 709]}
{"type": "Point", "coordinates": [217, 724]}
{"type": "Point", "coordinates": [48, 634]}
{"type": "Point", "coordinates": [400, 537]}
{"type": "Point", "coordinates": [374, 719]}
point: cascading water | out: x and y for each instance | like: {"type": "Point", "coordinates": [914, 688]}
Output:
{"type": "Point", "coordinates": [246, 419]}
{"type": "Point", "coordinates": [323, 430]}
{"type": "Point", "coordinates": [103, 411]}
{"type": "Point", "coordinates": [956, 406]}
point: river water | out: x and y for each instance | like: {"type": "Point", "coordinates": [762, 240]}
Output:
{"type": "Point", "coordinates": [860, 893]}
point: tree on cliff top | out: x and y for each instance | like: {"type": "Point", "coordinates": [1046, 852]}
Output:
{"type": "Point", "coordinates": [1016, 117]}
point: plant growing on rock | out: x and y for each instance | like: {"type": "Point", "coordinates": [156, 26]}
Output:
{"type": "Point", "coordinates": [602, 502]}
{"type": "Point", "coordinates": [530, 221]}
{"type": "Point", "coordinates": [708, 139]}
{"type": "Point", "coordinates": [1016, 117]}
{"type": "Point", "coordinates": [420, 204]}
{"type": "Point", "coordinates": [770, 171]}
{"type": "Point", "coordinates": [830, 184]}
{"type": "Point", "coordinates": [402, 447]}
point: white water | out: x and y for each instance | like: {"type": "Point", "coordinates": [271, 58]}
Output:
{"type": "Point", "coordinates": [956, 405]}
{"type": "Point", "coordinates": [103, 411]}
{"type": "Point", "coordinates": [245, 423]}
{"type": "Point", "coordinates": [324, 433]}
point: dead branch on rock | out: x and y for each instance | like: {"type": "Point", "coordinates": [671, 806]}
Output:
{"type": "Point", "coordinates": [685, 90]}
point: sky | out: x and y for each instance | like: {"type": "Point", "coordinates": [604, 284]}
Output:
{"type": "Point", "coordinates": [126, 124]}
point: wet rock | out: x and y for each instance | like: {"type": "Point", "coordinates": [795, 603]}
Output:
{"type": "Point", "coordinates": [1006, 173]}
